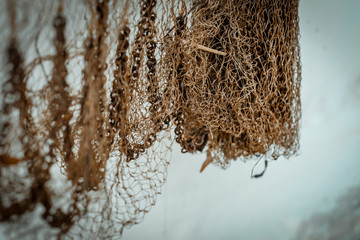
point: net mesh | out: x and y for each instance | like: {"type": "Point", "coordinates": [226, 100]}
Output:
{"type": "Point", "coordinates": [242, 98]}
{"type": "Point", "coordinates": [91, 90]}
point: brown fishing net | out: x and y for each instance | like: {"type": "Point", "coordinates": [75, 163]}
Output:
{"type": "Point", "coordinates": [91, 90]}
{"type": "Point", "coordinates": [241, 96]}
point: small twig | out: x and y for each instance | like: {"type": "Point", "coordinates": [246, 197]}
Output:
{"type": "Point", "coordinates": [199, 46]}
{"type": "Point", "coordinates": [209, 49]}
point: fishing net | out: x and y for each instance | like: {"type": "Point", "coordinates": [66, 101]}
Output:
{"type": "Point", "coordinates": [92, 90]}
{"type": "Point", "coordinates": [235, 79]}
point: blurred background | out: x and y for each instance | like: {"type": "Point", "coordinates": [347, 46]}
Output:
{"type": "Point", "coordinates": [315, 195]}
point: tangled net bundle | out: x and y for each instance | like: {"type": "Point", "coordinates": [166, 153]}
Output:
{"type": "Point", "coordinates": [92, 89]}
{"type": "Point", "coordinates": [246, 101]}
